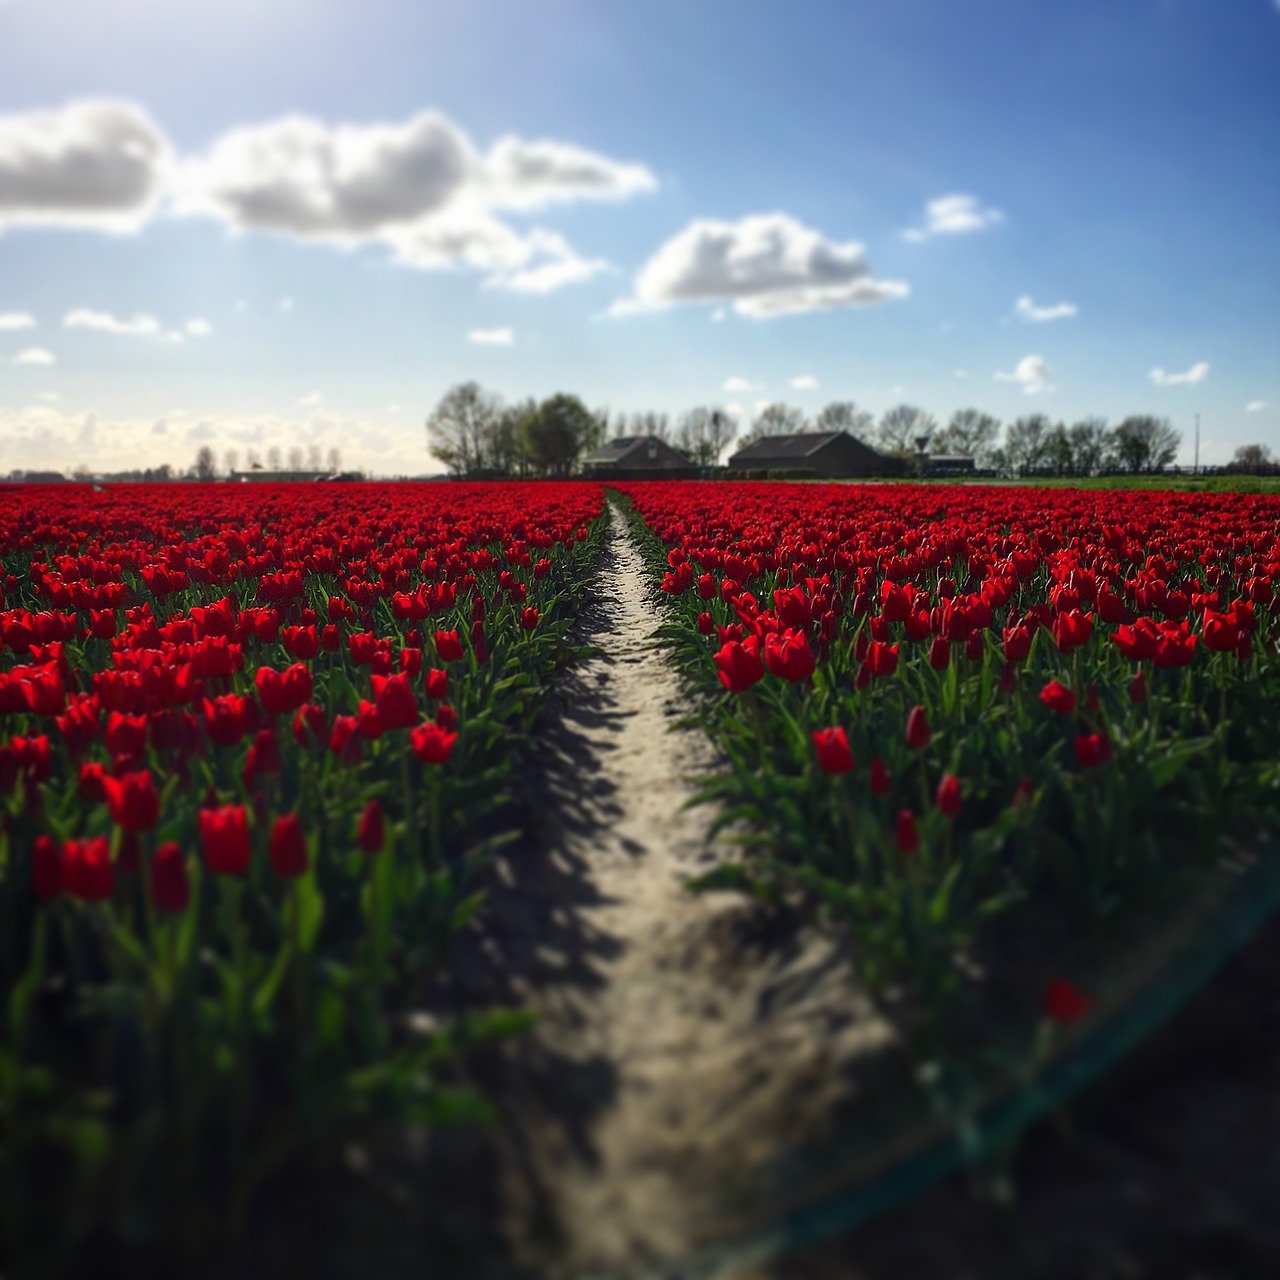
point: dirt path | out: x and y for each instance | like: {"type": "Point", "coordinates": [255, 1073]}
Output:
{"type": "Point", "coordinates": [685, 1040]}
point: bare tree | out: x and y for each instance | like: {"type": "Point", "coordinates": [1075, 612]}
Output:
{"type": "Point", "coordinates": [1091, 445]}
{"type": "Point", "coordinates": [315, 458]}
{"type": "Point", "coordinates": [206, 467]}
{"type": "Point", "coordinates": [253, 459]}
{"type": "Point", "coordinates": [333, 460]}
{"type": "Point", "coordinates": [776, 420]}
{"type": "Point", "coordinates": [703, 434]}
{"type": "Point", "coordinates": [1144, 443]}
{"type": "Point", "coordinates": [231, 461]}
{"type": "Point", "coordinates": [460, 428]}
{"type": "Point", "coordinates": [970, 433]}
{"type": "Point", "coordinates": [844, 415]}
{"type": "Point", "coordinates": [1024, 443]}
{"type": "Point", "coordinates": [1252, 456]}
{"type": "Point", "coordinates": [903, 427]}
{"type": "Point", "coordinates": [275, 461]}
{"type": "Point", "coordinates": [297, 457]}
{"type": "Point", "coordinates": [1057, 454]}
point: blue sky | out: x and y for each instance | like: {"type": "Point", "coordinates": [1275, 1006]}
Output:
{"type": "Point", "coordinates": [249, 225]}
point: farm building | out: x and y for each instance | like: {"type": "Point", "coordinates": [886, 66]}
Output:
{"type": "Point", "coordinates": [824, 453]}
{"type": "Point", "coordinates": [638, 455]}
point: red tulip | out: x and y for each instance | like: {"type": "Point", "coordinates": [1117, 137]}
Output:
{"type": "Point", "coordinates": [170, 891]}
{"type": "Point", "coordinates": [881, 782]}
{"type": "Point", "coordinates": [224, 836]}
{"type": "Point", "coordinates": [437, 683]}
{"type": "Point", "coordinates": [46, 869]}
{"type": "Point", "coordinates": [740, 664]}
{"type": "Point", "coordinates": [1093, 749]}
{"type": "Point", "coordinates": [528, 618]}
{"type": "Point", "coordinates": [133, 802]}
{"type": "Point", "coordinates": [1057, 697]}
{"type": "Point", "coordinates": [1064, 1003]}
{"type": "Point", "coordinates": [283, 691]}
{"type": "Point", "coordinates": [287, 849]}
{"type": "Point", "coordinates": [832, 748]}
{"type": "Point", "coordinates": [371, 833]}
{"type": "Point", "coordinates": [918, 732]}
{"type": "Point", "coordinates": [396, 702]}
{"type": "Point", "coordinates": [430, 743]}
{"type": "Point", "coordinates": [905, 834]}
{"type": "Point", "coordinates": [950, 799]}
{"type": "Point", "coordinates": [87, 872]}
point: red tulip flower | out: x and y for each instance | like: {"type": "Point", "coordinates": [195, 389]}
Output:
{"type": "Point", "coordinates": [448, 646]}
{"type": "Point", "coordinates": [832, 747]}
{"type": "Point", "coordinates": [905, 834]}
{"type": "Point", "coordinates": [529, 618]}
{"type": "Point", "coordinates": [46, 869]}
{"type": "Point", "coordinates": [133, 802]}
{"type": "Point", "coordinates": [224, 836]}
{"type": "Point", "coordinates": [396, 702]}
{"type": "Point", "coordinates": [437, 683]}
{"type": "Point", "coordinates": [950, 799]}
{"type": "Point", "coordinates": [740, 664]}
{"type": "Point", "coordinates": [87, 871]}
{"type": "Point", "coordinates": [1057, 697]}
{"type": "Point", "coordinates": [1093, 749]}
{"type": "Point", "coordinates": [881, 782]}
{"type": "Point", "coordinates": [170, 890]}
{"type": "Point", "coordinates": [283, 691]}
{"type": "Point", "coordinates": [287, 849]}
{"type": "Point", "coordinates": [371, 834]}
{"type": "Point", "coordinates": [1064, 1003]}
{"type": "Point", "coordinates": [918, 732]}
{"type": "Point", "coordinates": [432, 744]}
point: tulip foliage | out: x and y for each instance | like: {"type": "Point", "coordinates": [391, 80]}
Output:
{"type": "Point", "coordinates": [940, 705]}
{"type": "Point", "coordinates": [254, 743]}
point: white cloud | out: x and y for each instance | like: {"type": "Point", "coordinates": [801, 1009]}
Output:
{"type": "Point", "coordinates": [11, 321]}
{"type": "Point", "coordinates": [419, 187]}
{"type": "Point", "coordinates": [285, 304]}
{"type": "Point", "coordinates": [35, 356]}
{"type": "Point", "coordinates": [805, 382]}
{"type": "Point", "coordinates": [138, 326]}
{"type": "Point", "coordinates": [761, 405]}
{"type": "Point", "coordinates": [176, 336]}
{"type": "Point", "coordinates": [734, 409]}
{"type": "Point", "coordinates": [241, 306]}
{"type": "Point", "coordinates": [492, 337]}
{"type": "Point", "coordinates": [718, 315]}
{"type": "Point", "coordinates": [735, 385]}
{"type": "Point", "coordinates": [1256, 406]}
{"type": "Point", "coordinates": [199, 328]}
{"type": "Point", "coordinates": [97, 164]}
{"type": "Point", "coordinates": [764, 265]}
{"type": "Point", "coordinates": [1039, 315]}
{"type": "Point", "coordinates": [960, 373]}
{"type": "Point", "coordinates": [953, 215]}
{"type": "Point", "coordinates": [311, 400]}
{"type": "Point", "coordinates": [1031, 372]}
{"type": "Point", "coordinates": [1189, 377]}
{"type": "Point", "coordinates": [393, 408]}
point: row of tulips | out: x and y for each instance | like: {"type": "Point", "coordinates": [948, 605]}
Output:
{"type": "Point", "coordinates": [255, 746]}
{"type": "Point", "coordinates": [944, 706]}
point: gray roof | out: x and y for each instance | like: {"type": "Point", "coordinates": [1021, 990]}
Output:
{"type": "Point", "coordinates": [803, 445]}
{"type": "Point", "coordinates": [624, 449]}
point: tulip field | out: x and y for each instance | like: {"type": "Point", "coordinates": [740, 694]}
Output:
{"type": "Point", "coordinates": [257, 747]}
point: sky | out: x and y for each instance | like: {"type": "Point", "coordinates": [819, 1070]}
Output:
{"type": "Point", "coordinates": [255, 225]}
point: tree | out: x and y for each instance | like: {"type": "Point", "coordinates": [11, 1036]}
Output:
{"type": "Point", "coordinates": [1024, 443]}
{"type": "Point", "coordinates": [333, 460]}
{"type": "Point", "coordinates": [1091, 445]}
{"type": "Point", "coordinates": [253, 459]}
{"type": "Point", "coordinates": [1252, 456]}
{"type": "Point", "coordinates": [1144, 443]}
{"type": "Point", "coordinates": [556, 433]}
{"type": "Point", "coordinates": [507, 453]}
{"type": "Point", "coordinates": [970, 433]}
{"type": "Point", "coordinates": [231, 461]}
{"type": "Point", "coordinates": [776, 420]}
{"type": "Point", "coordinates": [460, 429]}
{"type": "Point", "coordinates": [297, 457]}
{"type": "Point", "coordinates": [844, 415]}
{"type": "Point", "coordinates": [315, 458]}
{"type": "Point", "coordinates": [275, 461]}
{"type": "Point", "coordinates": [1057, 451]}
{"type": "Point", "coordinates": [206, 467]}
{"type": "Point", "coordinates": [703, 434]}
{"type": "Point", "coordinates": [903, 427]}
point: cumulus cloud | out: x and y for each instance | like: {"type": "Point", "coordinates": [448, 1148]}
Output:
{"type": "Point", "coordinates": [35, 356]}
{"type": "Point", "coordinates": [1039, 315]}
{"type": "Point", "coordinates": [764, 265]}
{"type": "Point", "coordinates": [199, 328]}
{"type": "Point", "coordinates": [311, 400]}
{"type": "Point", "coordinates": [1256, 406]}
{"type": "Point", "coordinates": [527, 175]}
{"type": "Point", "coordinates": [953, 215]}
{"type": "Point", "coordinates": [960, 373]}
{"type": "Point", "coordinates": [11, 321]}
{"type": "Point", "coordinates": [285, 304]}
{"type": "Point", "coordinates": [492, 337]}
{"type": "Point", "coordinates": [1188, 377]}
{"type": "Point", "coordinates": [95, 164]}
{"type": "Point", "coordinates": [1031, 373]}
{"type": "Point", "coordinates": [736, 385]}
{"type": "Point", "coordinates": [138, 326]}
{"type": "Point", "coordinates": [805, 382]}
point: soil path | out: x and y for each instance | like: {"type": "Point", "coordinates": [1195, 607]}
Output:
{"type": "Point", "coordinates": [684, 1039]}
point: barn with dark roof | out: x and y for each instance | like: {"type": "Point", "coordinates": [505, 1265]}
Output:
{"type": "Point", "coordinates": [823, 453]}
{"type": "Point", "coordinates": [638, 455]}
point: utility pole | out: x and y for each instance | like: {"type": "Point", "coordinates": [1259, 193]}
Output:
{"type": "Point", "coordinates": [1197, 465]}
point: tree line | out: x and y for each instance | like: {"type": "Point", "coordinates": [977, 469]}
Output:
{"type": "Point", "coordinates": [474, 433]}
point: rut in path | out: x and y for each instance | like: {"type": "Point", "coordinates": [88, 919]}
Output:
{"type": "Point", "coordinates": [684, 1039]}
